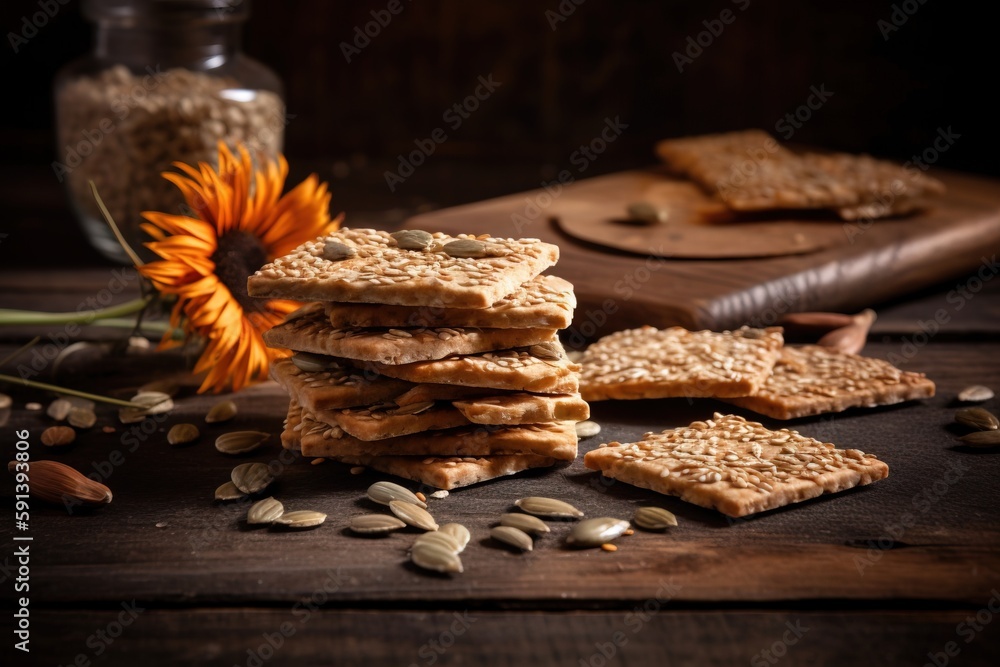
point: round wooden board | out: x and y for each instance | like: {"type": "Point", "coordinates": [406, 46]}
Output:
{"type": "Point", "coordinates": [696, 229]}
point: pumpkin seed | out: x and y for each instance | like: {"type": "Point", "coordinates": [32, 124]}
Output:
{"type": "Point", "coordinates": [374, 524]}
{"type": "Point", "coordinates": [654, 518]}
{"type": "Point", "coordinates": [412, 239]}
{"type": "Point", "coordinates": [435, 557]}
{"type": "Point", "coordinates": [336, 252]}
{"type": "Point", "coordinates": [457, 532]}
{"type": "Point", "coordinates": [587, 429]}
{"type": "Point", "coordinates": [549, 507]}
{"type": "Point", "coordinates": [513, 537]}
{"type": "Point", "coordinates": [413, 515]}
{"type": "Point", "coordinates": [465, 248]}
{"type": "Point", "coordinates": [240, 442]}
{"type": "Point", "coordinates": [595, 532]}
{"type": "Point", "coordinates": [977, 393]}
{"type": "Point", "coordinates": [268, 510]}
{"type": "Point", "coordinates": [182, 434]}
{"type": "Point", "coordinates": [982, 439]}
{"type": "Point", "coordinates": [312, 363]}
{"type": "Point", "coordinates": [59, 409]}
{"type": "Point", "coordinates": [977, 418]}
{"type": "Point", "coordinates": [384, 493]}
{"type": "Point", "coordinates": [228, 491]}
{"type": "Point", "coordinates": [221, 412]}
{"type": "Point", "coordinates": [526, 522]}
{"type": "Point", "coordinates": [646, 213]}
{"type": "Point", "coordinates": [155, 402]}
{"type": "Point", "coordinates": [252, 477]}
{"type": "Point", "coordinates": [301, 519]}
{"type": "Point", "coordinates": [439, 538]}
{"type": "Point", "coordinates": [81, 418]}
{"type": "Point", "coordinates": [57, 436]}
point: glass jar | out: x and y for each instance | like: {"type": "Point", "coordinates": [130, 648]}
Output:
{"type": "Point", "coordinates": [166, 82]}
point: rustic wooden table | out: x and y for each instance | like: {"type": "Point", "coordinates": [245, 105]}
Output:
{"type": "Point", "coordinates": [902, 572]}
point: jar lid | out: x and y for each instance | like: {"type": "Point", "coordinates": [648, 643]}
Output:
{"type": "Point", "coordinates": [143, 11]}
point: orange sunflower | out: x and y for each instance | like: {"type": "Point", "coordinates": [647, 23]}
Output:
{"type": "Point", "coordinates": [239, 221]}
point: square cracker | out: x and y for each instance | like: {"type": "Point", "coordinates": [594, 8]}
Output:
{"type": "Point", "coordinates": [812, 380]}
{"type": "Point", "coordinates": [381, 272]}
{"type": "Point", "coordinates": [311, 331]}
{"type": "Point", "coordinates": [855, 186]}
{"type": "Point", "coordinates": [660, 363]}
{"type": "Point", "coordinates": [338, 387]}
{"type": "Point", "coordinates": [450, 472]}
{"type": "Point", "coordinates": [516, 369]}
{"type": "Point", "coordinates": [547, 302]}
{"type": "Point", "coordinates": [523, 408]}
{"type": "Point", "coordinates": [556, 440]}
{"type": "Point", "coordinates": [735, 466]}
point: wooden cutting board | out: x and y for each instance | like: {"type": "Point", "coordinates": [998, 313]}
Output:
{"type": "Point", "coordinates": [848, 266]}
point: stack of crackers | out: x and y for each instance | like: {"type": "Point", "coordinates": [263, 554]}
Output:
{"type": "Point", "coordinates": [426, 356]}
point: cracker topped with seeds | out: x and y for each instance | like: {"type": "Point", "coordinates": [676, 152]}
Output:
{"type": "Point", "coordinates": [338, 386]}
{"type": "Point", "coordinates": [659, 363]}
{"type": "Point", "coordinates": [547, 302]}
{"type": "Point", "coordinates": [735, 466]}
{"type": "Point", "coordinates": [369, 266]}
{"type": "Point", "coordinates": [813, 380]}
{"type": "Point", "coordinates": [312, 332]}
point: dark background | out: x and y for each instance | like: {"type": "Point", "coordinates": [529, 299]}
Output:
{"type": "Point", "coordinates": [890, 96]}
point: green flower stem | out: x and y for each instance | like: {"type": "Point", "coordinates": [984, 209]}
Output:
{"type": "Point", "coordinates": [29, 317]}
{"type": "Point", "coordinates": [70, 392]}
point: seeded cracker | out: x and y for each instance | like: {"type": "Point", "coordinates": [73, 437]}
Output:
{"type": "Point", "coordinates": [735, 466]}
{"type": "Point", "coordinates": [338, 387]}
{"type": "Point", "coordinates": [813, 380]}
{"type": "Point", "coordinates": [524, 409]}
{"type": "Point", "coordinates": [518, 369]}
{"type": "Point", "coordinates": [659, 363]}
{"type": "Point", "coordinates": [547, 302]}
{"type": "Point", "coordinates": [381, 272]}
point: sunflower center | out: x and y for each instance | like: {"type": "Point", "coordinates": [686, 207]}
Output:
{"type": "Point", "coordinates": [237, 257]}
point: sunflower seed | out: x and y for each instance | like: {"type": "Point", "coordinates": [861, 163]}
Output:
{"type": "Point", "coordinates": [182, 434]}
{"type": "Point", "coordinates": [312, 363]}
{"type": "Point", "coordinates": [252, 477]}
{"type": "Point", "coordinates": [440, 494]}
{"type": "Point", "coordinates": [384, 493]}
{"type": "Point", "coordinates": [413, 515]}
{"type": "Point", "coordinates": [977, 418]}
{"type": "Point", "coordinates": [513, 537]}
{"type": "Point", "coordinates": [457, 532]}
{"type": "Point", "coordinates": [57, 436]}
{"type": "Point", "coordinates": [595, 532]}
{"type": "Point", "coordinates": [228, 491]}
{"type": "Point", "coordinates": [301, 519]}
{"type": "Point", "coordinates": [982, 439]}
{"type": "Point", "coordinates": [167, 387]}
{"type": "Point", "coordinates": [268, 510]}
{"type": "Point", "coordinates": [465, 248]}
{"type": "Point", "coordinates": [587, 429]}
{"type": "Point", "coordinates": [155, 402]}
{"type": "Point", "coordinates": [753, 333]}
{"type": "Point", "coordinates": [977, 393]}
{"type": "Point", "coordinates": [373, 524]}
{"type": "Point", "coordinates": [549, 507]}
{"type": "Point", "coordinates": [412, 239]}
{"type": "Point", "coordinates": [654, 518]}
{"type": "Point", "coordinates": [357, 470]}
{"type": "Point", "coordinates": [336, 252]}
{"type": "Point", "coordinates": [545, 351]}
{"type": "Point", "coordinates": [240, 442]}
{"type": "Point", "coordinates": [5, 401]}
{"type": "Point", "coordinates": [526, 522]}
{"type": "Point", "coordinates": [221, 412]}
{"type": "Point", "coordinates": [646, 213]}
{"type": "Point", "coordinates": [441, 539]}
{"type": "Point", "coordinates": [33, 406]}
{"type": "Point", "coordinates": [413, 408]}
{"type": "Point", "coordinates": [435, 557]}
{"type": "Point", "coordinates": [81, 418]}
{"type": "Point", "coordinates": [59, 409]}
